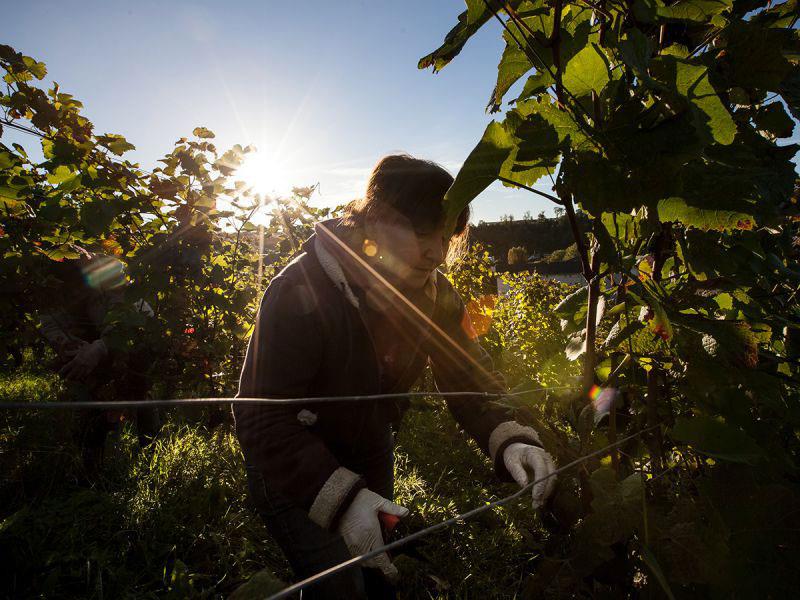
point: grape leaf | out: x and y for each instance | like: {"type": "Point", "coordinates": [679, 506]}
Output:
{"type": "Point", "coordinates": [470, 21]}
{"type": "Point", "coordinates": [480, 169]}
{"type": "Point", "coordinates": [203, 132]}
{"type": "Point", "coordinates": [690, 81]}
{"type": "Point", "coordinates": [790, 90]}
{"type": "Point", "coordinates": [753, 56]}
{"type": "Point", "coordinates": [513, 65]}
{"type": "Point", "coordinates": [773, 120]}
{"type": "Point", "coordinates": [717, 439]}
{"type": "Point", "coordinates": [586, 72]}
{"type": "Point", "coordinates": [698, 11]}
{"type": "Point", "coordinates": [677, 210]}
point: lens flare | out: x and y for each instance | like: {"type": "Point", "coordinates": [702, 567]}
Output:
{"type": "Point", "coordinates": [104, 273]}
{"type": "Point", "coordinates": [369, 248]}
{"type": "Point", "coordinates": [603, 400]}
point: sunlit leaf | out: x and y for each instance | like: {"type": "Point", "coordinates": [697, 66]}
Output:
{"type": "Point", "coordinates": [472, 19]}
{"type": "Point", "coordinates": [692, 83]}
{"type": "Point", "coordinates": [480, 169]}
{"type": "Point", "coordinates": [587, 72]}
{"type": "Point", "coordinates": [203, 132]}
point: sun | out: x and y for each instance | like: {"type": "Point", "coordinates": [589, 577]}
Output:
{"type": "Point", "coordinates": [265, 174]}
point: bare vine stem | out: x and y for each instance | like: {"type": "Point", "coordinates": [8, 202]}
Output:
{"type": "Point", "coordinates": [550, 197]}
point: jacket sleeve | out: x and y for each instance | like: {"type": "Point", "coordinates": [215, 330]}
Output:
{"type": "Point", "coordinates": [459, 364]}
{"type": "Point", "coordinates": [282, 359]}
{"type": "Point", "coordinates": [53, 330]}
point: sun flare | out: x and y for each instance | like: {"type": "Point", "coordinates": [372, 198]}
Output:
{"type": "Point", "coordinates": [265, 174]}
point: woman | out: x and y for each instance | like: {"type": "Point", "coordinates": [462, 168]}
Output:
{"type": "Point", "coordinates": [361, 311]}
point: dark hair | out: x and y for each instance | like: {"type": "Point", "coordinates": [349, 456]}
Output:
{"type": "Point", "coordinates": [401, 186]}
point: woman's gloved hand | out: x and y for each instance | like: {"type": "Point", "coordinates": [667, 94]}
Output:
{"type": "Point", "coordinates": [520, 458]}
{"type": "Point", "coordinates": [361, 529]}
{"type": "Point", "coordinates": [86, 358]}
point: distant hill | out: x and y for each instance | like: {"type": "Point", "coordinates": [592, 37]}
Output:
{"type": "Point", "coordinates": [539, 237]}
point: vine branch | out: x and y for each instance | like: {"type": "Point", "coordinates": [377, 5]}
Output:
{"type": "Point", "coordinates": [550, 197]}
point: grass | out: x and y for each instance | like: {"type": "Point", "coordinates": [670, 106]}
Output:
{"type": "Point", "coordinates": [174, 521]}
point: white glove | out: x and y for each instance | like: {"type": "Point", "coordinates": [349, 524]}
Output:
{"type": "Point", "coordinates": [519, 458]}
{"type": "Point", "coordinates": [86, 358]}
{"type": "Point", "coordinates": [361, 529]}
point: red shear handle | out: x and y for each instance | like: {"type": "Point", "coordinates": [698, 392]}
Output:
{"type": "Point", "coordinates": [388, 522]}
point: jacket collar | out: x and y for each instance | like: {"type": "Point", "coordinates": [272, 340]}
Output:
{"type": "Point", "coordinates": [335, 247]}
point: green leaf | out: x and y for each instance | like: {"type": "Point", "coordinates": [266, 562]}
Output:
{"type": "Point", "coordinates": [587, 72]}
{"type": "Point", "coordinates": [11, 202]}
{"type": "Point", "coordinates": [535, 84]}
{"type": "Point", "coordinates": [717, 439]}
{"type": "Point", "coordinates": [616, 508]}
{"type": "Point", "coordinates": [753, 57]}
{"type": "Point", "coordinates": [677, 210]}
{"type": "Point", "coordinates": [698, 11]}
{"type": "Point", "coordinates": [773, 120]}
{"type": "Point", "coordinates": [620, 333]}
{"type": "Point", "coordinates": [479, 170]}
{"type": "Point", "coordinates": [513, 65]}
{"type": "Point", "coordinates": [469, 22]}
{"type": "Point", "coordinates": [60, 174]}
{"type": "Point", "coordinates": [782, 15]}
{"type": "Point", "coordinates": [116, 143]}
{"type": "Point", "coordinates": [37, 69]}
{"type": "Point", "coordinates": [636, 50]}
{"type": "Point", "coordinates": [790, 90]}
{"type": "Point", "coordinates": [599, 184]}
{"type": "Point", "coordinates": [659, 323]}
{"type": "Point", "coordinates": [203, 133]}
{"type": "Point", "coordinates": [97, 216]}
{"type": "Point", "coordinates": [748, 180]}
{"type": "Point", "coordinates": [541, 130]}
{"type": "Point", "coordinates": [7, 158]}
{"type": "Point", "coordinates": [572, 309]}
{"type": "Point", "coordinates": [64, 251]}
{"type": "Point", "coordinates": [692, 84]}
{"type": "Point", "coordinates": [531, 112]}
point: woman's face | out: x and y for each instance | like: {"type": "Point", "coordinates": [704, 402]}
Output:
{"type": "Point", "coordinates": [404, 256]}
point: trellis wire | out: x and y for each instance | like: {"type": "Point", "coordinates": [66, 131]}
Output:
{"type": "Point", "coordinates": [321, 576]}
{"type": "Point", "coordinates": [105, 405]}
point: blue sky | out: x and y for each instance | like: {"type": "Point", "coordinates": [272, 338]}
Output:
{"type": "Point", "coordinates": [328, 87]}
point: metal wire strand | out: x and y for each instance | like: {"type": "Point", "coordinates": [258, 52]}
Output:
{"type": "Point", "coordinates": [323, 575]}
{"type": "Point", "coordinates": [268, 401]}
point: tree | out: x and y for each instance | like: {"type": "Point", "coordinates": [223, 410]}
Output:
{"type": "Point", "coordinates": [517, 255]}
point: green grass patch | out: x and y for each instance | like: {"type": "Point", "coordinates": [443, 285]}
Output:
{"type": "Point", "coordinates": [174, 520]}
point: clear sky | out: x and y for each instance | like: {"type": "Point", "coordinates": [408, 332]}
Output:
{"type": "Point", "coordinates": [327, 87]}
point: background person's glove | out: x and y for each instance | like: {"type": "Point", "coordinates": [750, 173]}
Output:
{"type": "Point", "coordinates": [85, 359]}
{"type": "Point", "coordinates": [361, 529]}
{"type": "Point", "coordinates": [522, 458]}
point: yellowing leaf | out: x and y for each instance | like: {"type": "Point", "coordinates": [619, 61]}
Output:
{"type": "Point", "coordinates": [202, 132]}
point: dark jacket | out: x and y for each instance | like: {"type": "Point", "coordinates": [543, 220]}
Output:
{"type": "Point", "coordinates": [311, 339]}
